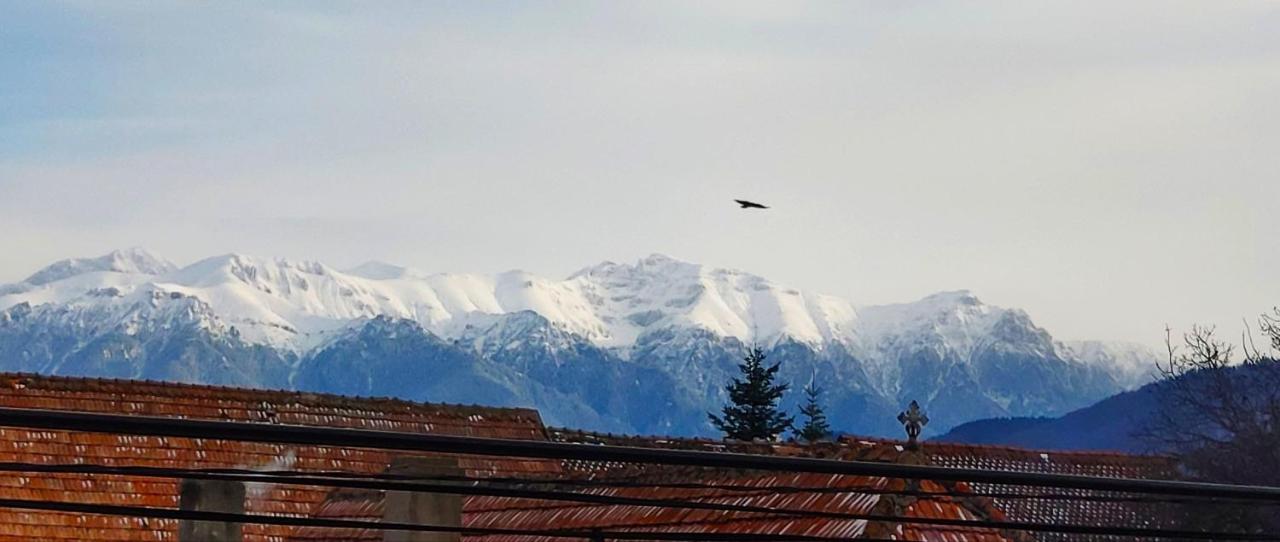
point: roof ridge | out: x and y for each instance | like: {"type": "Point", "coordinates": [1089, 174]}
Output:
{"type": "Point", "coordinates": [1098, 454]}
{"type": "Point", "coordinates": [609, 435]}
{"type": "Point", "coordinates": [1007, 448]}
{"type": "Point", "coordinates": [1095, 456]}
{"type": "Point", "coordinates": [20, 380]}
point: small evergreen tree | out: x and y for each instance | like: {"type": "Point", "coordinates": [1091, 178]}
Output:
{"type": "Point", "coordinates": [753, 410]}
{"type": "Point", "coordinates": [815, 426]}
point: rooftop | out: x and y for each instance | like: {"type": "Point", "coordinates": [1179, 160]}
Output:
{"type": "Point", "coordinates": [215, 403]}
{"type": "Point", "coordinates": [864, 495]}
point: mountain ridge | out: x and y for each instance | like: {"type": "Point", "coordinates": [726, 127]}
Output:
{"type": "Point", "coordinates": [663, 320]}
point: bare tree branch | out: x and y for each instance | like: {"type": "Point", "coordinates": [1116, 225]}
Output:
{"type": "Point", "coordinates": [1219, 418]}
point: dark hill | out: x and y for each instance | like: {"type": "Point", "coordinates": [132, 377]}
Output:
{"type": "Point", "coordinates": [1109, 424]}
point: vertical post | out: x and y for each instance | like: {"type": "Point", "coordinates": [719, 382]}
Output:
{"type": "Point", "coordinates": [423, 508]}
{"type": "Point", "coordinates": [210, 496]}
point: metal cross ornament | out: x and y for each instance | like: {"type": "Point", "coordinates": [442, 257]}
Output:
{"type": "Point", "coordinates": [914, 420]}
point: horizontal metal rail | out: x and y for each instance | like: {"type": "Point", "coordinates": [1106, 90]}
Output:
{"type": "Point", "coordinates": [479, 488]}
{"type": "Point", "coordinates": [327, 523]}
{"type": "Point", "coordinates": [452, 444]}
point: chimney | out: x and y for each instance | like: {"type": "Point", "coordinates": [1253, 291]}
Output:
{"type": "Point", "coordinates": [210, 496]}
{"type": "Point", "coordinates": [423, 508]}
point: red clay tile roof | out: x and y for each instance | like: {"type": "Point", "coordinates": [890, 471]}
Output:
{"type": "Point", "coordinates": [1005, 458]}
{"type": "Point", "coordinates": [964, 508]}
{"type": "Point", "coordinates": [207, 402]}
{"type": "Point", "coordinates": [863, 497]}
{"type": "Point", "coordinates": [523, 513]}
{"type": "Point", "coordinates": [1081, 512]}
{"type": "Point", "coordinates": [493, 512]}
{"type": "Point", "coordinates": [356, 504]}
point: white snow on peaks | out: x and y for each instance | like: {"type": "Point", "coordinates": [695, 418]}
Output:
{"type": "Point", "coordinates": [958, 318]}
{"type": "Point", "coordinates": [297, 304]}
{"type": "Point", "coordinates": [131, 261]}
{"type": "Point", "coordinates": [1132, 364]}
{"type": "Point", "coordinates": [659, 292]}
{"type": "Point", "coordinates": [560, 302]}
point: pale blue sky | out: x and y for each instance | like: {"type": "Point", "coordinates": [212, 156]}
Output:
{"type": "Point", "coordinates": [1110, 167]}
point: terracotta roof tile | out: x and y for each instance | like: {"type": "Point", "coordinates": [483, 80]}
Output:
{"type": "Point", "coordinates": [210, 402]}
{"type": "Point", "coordinates": [862, 497]}
{"type": "Point", "coordinates": [1082, 512]}
{"type": "Point", "coordinates": [1005, 458]}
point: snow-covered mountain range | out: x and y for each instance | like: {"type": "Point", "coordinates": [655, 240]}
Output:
{"type": "Point", "coordinates": [643, 347]}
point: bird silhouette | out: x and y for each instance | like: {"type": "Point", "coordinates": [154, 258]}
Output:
{"type": "Point", "coordinates": [744, 204]}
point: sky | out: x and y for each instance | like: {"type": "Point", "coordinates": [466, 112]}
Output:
{"type": "Point", "coordinates": [1110, 167]}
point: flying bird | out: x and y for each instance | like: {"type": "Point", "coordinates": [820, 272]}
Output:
{"type": "Point", "coordinates": [744, 204]}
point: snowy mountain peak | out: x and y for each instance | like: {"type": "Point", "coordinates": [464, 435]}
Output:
{"type": "Point", "coordinates": [660, 292]}
{"type": "Point", "coordinates": [299, 305]}
{"type": "Point", "coordinates": [1131, 363]}
{"type": "Point", "coordinates": [936, 310]}
{"type": "Point", "coordinates": [653, 264]}
{"type": "Point", "coordinates": [953, 320]}
{"type": "Point", "coordinates": [266, 274]}
{"type": "Point", "coordinates": [951, 298]}
{"type": "Point", "coordinates": [659, 332]}
{"type": "Point", "coordinates": [657, 260]}
{"type": "Point", "coordinates": [131, 260]}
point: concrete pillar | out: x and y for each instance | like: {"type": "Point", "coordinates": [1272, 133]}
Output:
{"type": "Point", "coordinates": [210, 496]}
{"type": "Point", "coordinates": [423, 508]}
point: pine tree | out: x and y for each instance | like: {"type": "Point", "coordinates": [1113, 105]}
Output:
{"type": "Point", "coordinates": [753, 410]}
{"type": "Point", "coordinates": [815, 426]}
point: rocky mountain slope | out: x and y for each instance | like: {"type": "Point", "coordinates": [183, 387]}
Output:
{"type": "Point", "coordinates": [643, 348]}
